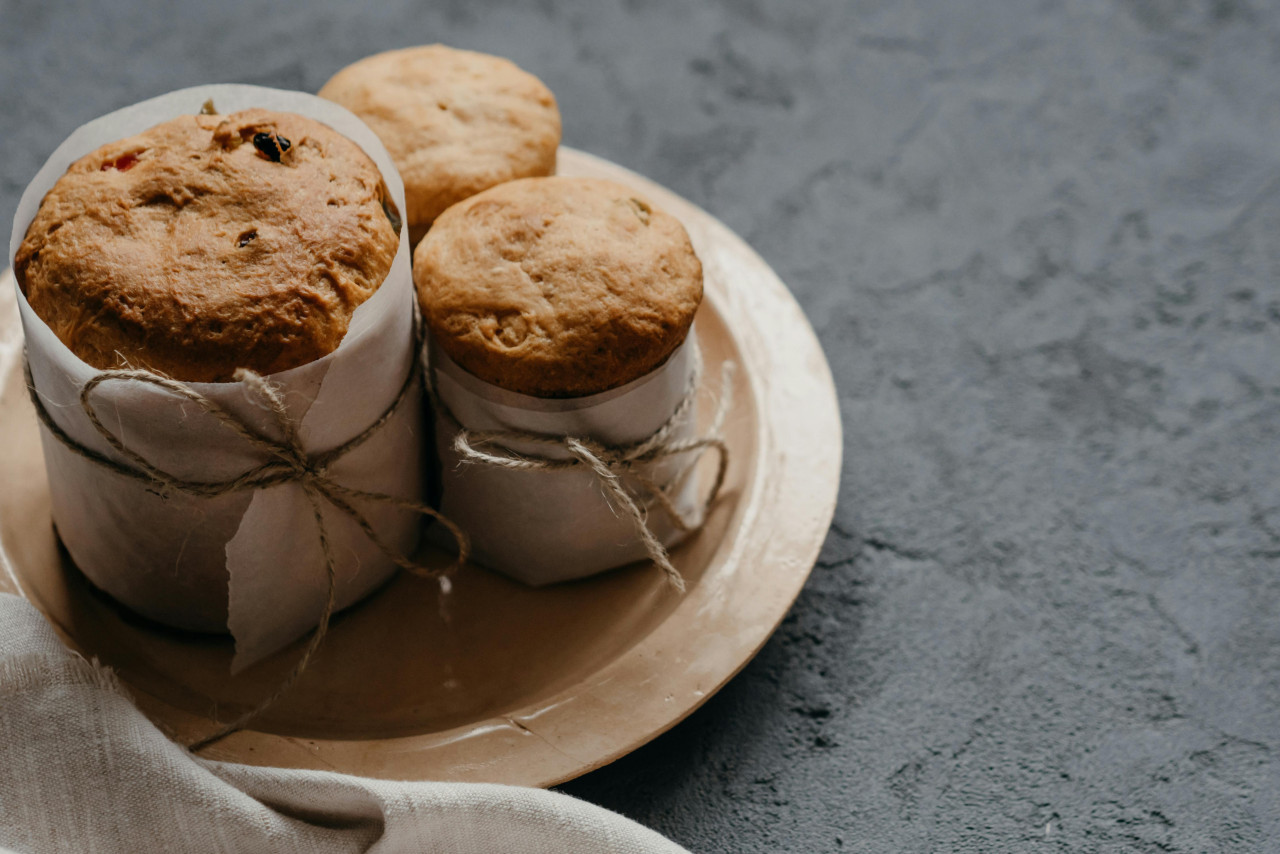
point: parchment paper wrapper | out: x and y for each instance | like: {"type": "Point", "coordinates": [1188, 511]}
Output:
{"type": "Point", "coordinates": [542, 527]}
{"type": "Point", "coordinates": [249, 562]}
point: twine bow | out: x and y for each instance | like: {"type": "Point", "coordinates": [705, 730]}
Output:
{"type": "Point", "coordinates": [615, 466]}
{"type": "Point", "coordinates": [287, 462]}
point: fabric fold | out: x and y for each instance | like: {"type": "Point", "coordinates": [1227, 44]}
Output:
{"type": "Point", "coordinates": [82, 770]}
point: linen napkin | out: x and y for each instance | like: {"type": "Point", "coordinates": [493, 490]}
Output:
{"type": "Point", "coordinates": [82, 770]}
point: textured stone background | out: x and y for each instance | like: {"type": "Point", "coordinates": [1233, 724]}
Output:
{"type": "Point", "coordinates": [1039, 243]}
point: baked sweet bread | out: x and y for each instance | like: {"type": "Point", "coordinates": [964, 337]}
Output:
{"type": "Point", "coordinates": [558, 287]}
{"type": "Point", "coordinates": [455, 122]}
{"type": "Point", "coordinates": [210, 243]}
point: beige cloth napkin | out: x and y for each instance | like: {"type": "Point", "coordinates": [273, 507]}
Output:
{"type": "Point", "coordinates": [81, 770]}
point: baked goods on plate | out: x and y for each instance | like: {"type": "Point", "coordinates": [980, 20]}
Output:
{"type": "Point", "coordinates": [163, 251]}
{"type": "Point", "coordinates": [559, 313]}
{"type": "Point", "coordinates": [488, 680]}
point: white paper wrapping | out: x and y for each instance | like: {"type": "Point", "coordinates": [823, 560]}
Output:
{"type": "Point", "coordinates": [249, 562]}
{"type": "Point", "coordinates": [542, 527]}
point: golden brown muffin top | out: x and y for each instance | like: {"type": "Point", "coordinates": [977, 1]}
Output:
{"type": "Point", "coordinates": [210, 243]}
{"type": "Point", "coordinates": [454, 121]}
{"type": "Point", "coordinates": [558, 287]}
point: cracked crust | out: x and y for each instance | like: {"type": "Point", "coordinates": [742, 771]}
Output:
{"type": "Point", "coordinates": [558, 287]}
{"type": "Point", "coordinates": [186, 249]}
{"type": "Point", "coordinates": [455, 122]}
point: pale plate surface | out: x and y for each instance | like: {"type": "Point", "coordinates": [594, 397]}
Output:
{"type": "Point", "coordinates": [497, 682]}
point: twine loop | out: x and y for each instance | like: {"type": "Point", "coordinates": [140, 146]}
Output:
{"type": "Point", "coordinates": [287, 462]}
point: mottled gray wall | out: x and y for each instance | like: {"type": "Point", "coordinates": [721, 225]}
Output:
{"type": "Point", "coordinates": [1039, 243]}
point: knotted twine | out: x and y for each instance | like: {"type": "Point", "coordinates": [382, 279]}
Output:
{"type": "Point", "coordinates": [614, 466]}
{"type": "Point", "coordinates": [287, 462]}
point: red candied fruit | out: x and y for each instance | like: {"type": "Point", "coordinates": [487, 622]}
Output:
{"type": "Point", "coordinates": [123, 163]}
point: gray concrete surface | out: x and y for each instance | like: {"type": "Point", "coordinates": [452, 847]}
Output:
{"type": "Point", "coordinates": [1039, 243]}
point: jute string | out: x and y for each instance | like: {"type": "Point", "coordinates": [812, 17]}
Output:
{"type": "Point", "coordinates": [287, 462]}
{"type": "Point", "coordinates": [622, 470]}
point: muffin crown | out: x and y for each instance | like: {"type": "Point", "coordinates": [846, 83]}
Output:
{"type": "Point", "coordinates": [210, 243]}
{"type": "Point", "coordinates": [558, 287]}
{"type": "Point", "coordinates": [454, 121]}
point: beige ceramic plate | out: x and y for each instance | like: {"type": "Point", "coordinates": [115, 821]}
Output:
{"type": "Point", "coordinates": [497, 682]}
